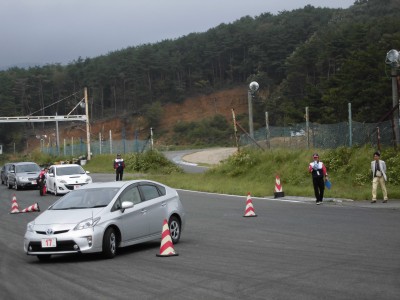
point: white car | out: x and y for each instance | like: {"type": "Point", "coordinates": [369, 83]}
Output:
{"type": "Point", "coordinates": [61, 179]}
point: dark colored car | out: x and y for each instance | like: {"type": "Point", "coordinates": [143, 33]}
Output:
{"type": "Point", "coordinates": [4, 172]}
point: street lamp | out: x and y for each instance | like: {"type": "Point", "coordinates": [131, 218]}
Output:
{"type": "Point", "coordinates": [392, 59]}
{"type": "Point", "coordinates": [253, 87]}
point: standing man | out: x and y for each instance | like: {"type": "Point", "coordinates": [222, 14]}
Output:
{"type": "Point", "coordinates": [378, 168]}
{"type": "Point", "coordinates": [319, 175]}
{"type": "Point", "coordinates": [119, 167]}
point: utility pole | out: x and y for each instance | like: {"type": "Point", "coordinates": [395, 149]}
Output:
{"type": "Point", "coordinates": [89, 156]}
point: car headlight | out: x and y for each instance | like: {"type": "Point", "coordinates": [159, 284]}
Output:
{"type": "Point", "coordinates": [22, 178]}
{"type": "Point", "coordinates": [88, 180]}
{"type": "Point", "coordinates": [62, 181]}
{"type": "Point", "coordinates": [88, 223]}
{"type": "Point", "coordinates": [29, 226]}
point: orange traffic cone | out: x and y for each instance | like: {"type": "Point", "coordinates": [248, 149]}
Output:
{"type": "Point", "coordinates": [166, 248]}
{"type": "Point", "coordinates": [33, 207]}
{"type": "Point", "coordinates": [249, 212]}
{"type": "Point", "coordinates": [278, 188]}
{"type": "Point", "coordinates": [14, 206]}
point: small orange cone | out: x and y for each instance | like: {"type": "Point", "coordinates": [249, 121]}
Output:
{"type": "Point", "coordinates": [33, 207]}
{"type": "Point", "coordinates": [14, 206]}
{"type": "Point", "coordinates": [166, 248]}
{"type": "Point", "coordinates": [249, 212]}
{"type": "Point", "coordinates": [278, 188]}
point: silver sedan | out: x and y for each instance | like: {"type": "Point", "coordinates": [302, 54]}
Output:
{"type": "Point", "coordinates": [101, 217]}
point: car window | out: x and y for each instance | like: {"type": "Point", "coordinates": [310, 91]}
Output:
{"type": "Point", "coordinates": [86, 198]}
{"type": "Point", "coordinates": [27, 168]}
{"type": "Point", "coordinates": [131, 194]}
{"type": "Point", "coordinates": [51, 170]}
{"type": "Point", "coordinates": [149, 192]}
{"type": "Point", "coordinates": [69, 170]}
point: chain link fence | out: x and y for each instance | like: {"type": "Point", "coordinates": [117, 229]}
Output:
{"type": "Point", "coordinates": [96, 147]}
{"type": "Point", "coordinates": [322, 136]}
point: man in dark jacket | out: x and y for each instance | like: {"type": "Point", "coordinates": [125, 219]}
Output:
{"type": "Point", "coordinates": [119, 166]}
{"type": "Point", "coordinates": [319, 175]}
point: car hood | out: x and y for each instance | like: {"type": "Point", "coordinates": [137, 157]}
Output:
{"type": "Point", "coordinates": [77, 178]}
{"type": "Point", "coordinates": [71, 216]}
{"type": "Point", "coordinates": [28, 174]}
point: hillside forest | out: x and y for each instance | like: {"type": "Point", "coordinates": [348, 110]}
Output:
{"type": "Point", "coordinates": [313, 57]}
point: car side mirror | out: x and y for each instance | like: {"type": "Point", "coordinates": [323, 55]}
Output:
{"type": "Point", "coordinates": [87, 172]}
{"type": "Point", "coordinates": [125, 205]}
{"type": "Point", "coordinates": [12, 171]}
{"type": "Point", "coordinates": [51, 175]}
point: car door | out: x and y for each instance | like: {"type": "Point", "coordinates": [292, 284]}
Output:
{"type": "Point", "coordinates": [11, 177]}
{"type": "Point", "coordinates": [50, 179]}
{"type": "Point", "coordinates": [156, 206]}
{"type": "Point", "coordinates": [134, 220]}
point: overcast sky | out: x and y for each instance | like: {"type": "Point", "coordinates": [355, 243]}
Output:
{"type": "Point", "coordinates": [39, 32]}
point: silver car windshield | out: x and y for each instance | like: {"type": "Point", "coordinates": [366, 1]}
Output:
{"type": "Point", "coordinates": [27, 168]}
{"type": "Point", "coordinates": [85, 198]}
{"type": "Point", "coordinates": [69, 170]}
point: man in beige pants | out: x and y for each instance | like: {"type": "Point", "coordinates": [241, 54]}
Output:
{"type": "Point", "coordinates": [378, 168]}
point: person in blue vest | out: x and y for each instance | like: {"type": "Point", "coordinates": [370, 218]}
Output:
{"type": "Point", "coordinates": [119, 166]}
{"type": "Point", "coordinates": [319, 175]}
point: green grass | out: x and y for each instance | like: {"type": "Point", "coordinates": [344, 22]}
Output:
{"type": "Point", "coordinates": [254, 171]}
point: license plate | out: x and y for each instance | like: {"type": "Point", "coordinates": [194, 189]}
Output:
{"type": "Point", "coordinates": [49, 243]}
{"type": "Point", "coordinates": [34, 182]}
{"type": "Point", "coordinates": [76, 187]}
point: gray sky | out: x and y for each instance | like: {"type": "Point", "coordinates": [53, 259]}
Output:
{"type": "Point", "coordinates": [39, 32]}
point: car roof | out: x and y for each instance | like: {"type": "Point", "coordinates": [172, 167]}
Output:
{"type": "Point", "coordinates": [64, 165]}
{"type": "Point", "coordinates": [116, 184]}
{"type": "Point", "coordinates": [25, 163]}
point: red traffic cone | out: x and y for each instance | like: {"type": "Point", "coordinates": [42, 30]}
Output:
{"type": "Point", "coordinates": [278, 188]}
{"type": "Point", "coordinates": [249, 212]}
{"type": "Point", "coordinates": [14, 206]}
{"type": "Point", "coordinates": [33, 207]}
{"type": "Point", "coordinates": [166, 248]}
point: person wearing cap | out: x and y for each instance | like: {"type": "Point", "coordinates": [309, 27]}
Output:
{"type": "Point", "coordinates": [378, 168]}
{"type": "Point", "coordinates": [119, 166]}
{"type": "Point", "coordinates": [319, 175]}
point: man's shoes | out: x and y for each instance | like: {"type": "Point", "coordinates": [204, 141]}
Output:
{"type": "Point", "coordinates": [373, 201]}
{"type": "Point", "coordinates": [319, 202]}
{"type": "Point", "coordinates": [384, 201]}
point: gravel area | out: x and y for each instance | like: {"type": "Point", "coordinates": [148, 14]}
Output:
{"type": "Point", "coordinates": [209, 156]}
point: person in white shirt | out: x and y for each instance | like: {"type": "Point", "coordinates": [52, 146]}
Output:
{"type": "Point", "coordinates": [378, 169]}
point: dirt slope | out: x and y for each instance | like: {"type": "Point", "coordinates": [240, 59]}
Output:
{"type": "Point", "coordinates": [192, 109]}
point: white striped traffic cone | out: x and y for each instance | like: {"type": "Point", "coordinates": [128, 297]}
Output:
{"type": "Point", "coordinates": [33, 207]}
{"type": "Point", "coordinates": [14, 206]}
{"type": "Point", "coordinates": [278, 188]}
{"type": "Point", "coordinates": [167, 247]}
{"type": "Point", "coordinates": [249, 212]}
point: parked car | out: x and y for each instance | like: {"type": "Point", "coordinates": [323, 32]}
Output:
{"type": "Point", "coordinates": [23, 175]}
{"type": "Point", "coordinates": [101, 217]}
{"type": "Point", "coordinates": [4, 172]}
{"type": "Point", "coordinates": [61, 179]}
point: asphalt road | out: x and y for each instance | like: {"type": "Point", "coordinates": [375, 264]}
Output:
{"type": "Point", "coordinates": [291, 250]}
{"type": "Point", "coordinates": [177, 158]}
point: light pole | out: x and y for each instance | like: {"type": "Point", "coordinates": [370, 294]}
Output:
{"type": "Point", "coordinates": [392, 59]}
{"type": "Point", "coordinates": [253, 87]}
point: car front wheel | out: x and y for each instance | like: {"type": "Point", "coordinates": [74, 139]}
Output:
{"type": "Point", "coordinates": [109, 243]}
{"type": "Point", "coordinates": [174, 229]}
